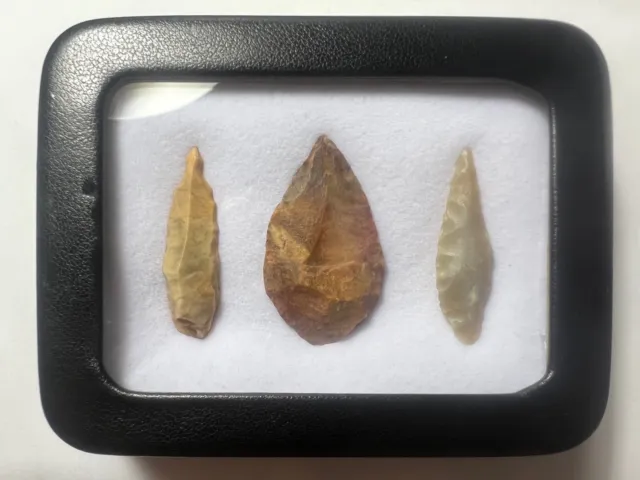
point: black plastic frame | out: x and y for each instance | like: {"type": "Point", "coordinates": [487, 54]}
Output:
{"type": "Point", "coordinates": [89, 411]}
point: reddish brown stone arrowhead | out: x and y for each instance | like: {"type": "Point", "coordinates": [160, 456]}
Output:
{"type": "Point", "coordinates": [324, 265]}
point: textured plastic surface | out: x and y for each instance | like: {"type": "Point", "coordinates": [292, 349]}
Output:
{"type": "Point", "coordinates": [90, 412]}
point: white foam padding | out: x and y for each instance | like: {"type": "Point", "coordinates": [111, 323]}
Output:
{"type": "Point", "coordinates": [401, 140]}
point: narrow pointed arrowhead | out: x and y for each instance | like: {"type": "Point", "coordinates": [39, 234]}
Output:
{"type": "Point", "coordinates": [324, 265]}
{"type": "Point", "coordinates": [464, 263]}
{"type": "Point", "coordinates": [191, 263]}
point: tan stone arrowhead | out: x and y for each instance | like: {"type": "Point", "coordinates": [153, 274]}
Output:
{"type": "Point", "coordinates": [324, 265]}
{"type": "Point", "coordinates": [191, 263]}
{"type": "Point", "coordinates": [464, 263]}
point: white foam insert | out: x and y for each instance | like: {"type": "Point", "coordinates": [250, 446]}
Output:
{"type": "Point", "coordinates": [402, 141]}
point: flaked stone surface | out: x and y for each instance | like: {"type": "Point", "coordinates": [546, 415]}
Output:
{"type": "Point", "coordinates": [464, 263]}
{"type": "Point", "coordinates": [191, 263]}
{"type": "Point", "coordinates": [324, 265]}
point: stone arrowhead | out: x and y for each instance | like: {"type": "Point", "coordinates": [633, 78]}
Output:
{"type": "Point", "coordinates": [324, 265]}
{"type": "Point", "coordinates": [191, 263]}
{"type": "Point", "coordinates": [464, 263]}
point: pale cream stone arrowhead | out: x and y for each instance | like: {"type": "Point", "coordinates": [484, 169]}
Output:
{"type": "Point", "coordinates": [191, 263]}
{"type": "Point", "coordinates": [464, 262]}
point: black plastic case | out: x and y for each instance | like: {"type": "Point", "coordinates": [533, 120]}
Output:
{"type": "Point", "coordinates": [90, 412]}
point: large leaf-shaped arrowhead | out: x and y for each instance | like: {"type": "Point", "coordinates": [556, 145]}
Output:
{"type": "Point", "coordinates": [324, 265]}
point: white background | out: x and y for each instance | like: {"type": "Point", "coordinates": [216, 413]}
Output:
{"type": "Point", "coordinates": [30, 450]}
{"type": "Point", "coordinates": [401, 139]}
